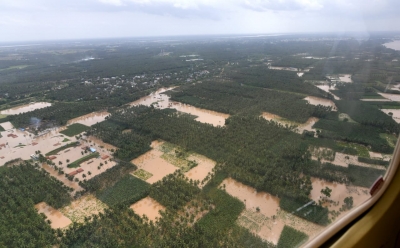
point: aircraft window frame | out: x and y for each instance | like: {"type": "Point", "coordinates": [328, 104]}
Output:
{"type": "Point", "coordinates": [338, 225]}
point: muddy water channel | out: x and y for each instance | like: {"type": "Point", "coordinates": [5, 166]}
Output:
{"type": "Point", "coordinates": [90, 119]}
{"type": "Point", "coordinates": [148, 207]}
{"type": "Point", "coordinates": [162, 101]}
{"type": "Point", "coordinates": [58, 220]}
{"type": "Point", "coordinates": [25, 108]}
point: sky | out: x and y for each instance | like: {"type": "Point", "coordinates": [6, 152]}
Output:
{"type": "Point", "coordinates": [32, 20]}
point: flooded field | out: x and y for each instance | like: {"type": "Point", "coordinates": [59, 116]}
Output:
{"type": "Point", "coordinates": [343, 78]}
{"type": "Point", "coordinates": [62, 178]}
{"type": "Point", "coordinates": [321, 101]}
{"type": "Point", "coordinates": [25, 108]}
{"type": "Point", "coordinates": [395, 113]}
{"type": "Point", "coordinates": [58, 220]}
{"type": "Point", "coordinates": [85, 206]}
{"type": "Point", "coordinates": [393, 45]}
{"type": "Point", "coordinates": [200, 172]}
{"type": "Point", "coordinates": [7, 125]}
{"type": "Point", "coordinates": [342, 159]}
{"type": "Point", "coordinates": [162, 101]}
{"type": "Point", "coordinates": [283, 68]}
{"type": "Point", "coordinates": [148, 207]}
{"type": "Point", "coordinates": [90, 119]}
{"type": "Point", "coordinates": [300, 126]}
{"type": "Point", "coordinates": [22, 144]}
{"type": "Point", "coordinates": [152, 162]}
{"type": "Point", "coordinates": [268, 205]}
{"type": "Point", "coordinates": [391, 97]}
{"type": "Point", "coordinates": [375, 100]}
{"type": "Point", "coordinates": [328, 88]}
{"type": "Point", "coordinates": [338, 194]}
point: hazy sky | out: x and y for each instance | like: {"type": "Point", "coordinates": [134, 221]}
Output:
{"type": "Point", "coordinates": [22, 20]}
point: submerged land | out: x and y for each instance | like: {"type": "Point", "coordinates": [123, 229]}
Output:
{"type": "Point", "coordinates": [206, 142]}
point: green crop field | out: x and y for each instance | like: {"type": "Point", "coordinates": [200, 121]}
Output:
{"type": "Point", "coordinates": [126, 191]}
{"type": "Point", "coordinates": [74, 129]}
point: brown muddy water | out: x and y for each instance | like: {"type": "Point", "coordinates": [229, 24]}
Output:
{"type": "Point", "coordinates": [163, 101]}
{"type": "Point", "coordinates": [148, 207]}
{"type": "Point", "coordinates": [320, 101]}
{"type": "Point", "coordinates": [300, 126]}
{"type": "Point", "coordinates": [327, 88]}
{"type": "Point", "coordinates": [58, 220]}
{"type": "Point", "coordinates": [205, 166]}
{"type": "Point", "coordinates": [391, 97]}
{"type": "Point", "coordinates": [267, 203]}
{"type": "Point", "coordinates": [90, 119]}
{"type": "Point", "coordinates": [25, 108]}
{"type": "Point", "coordinates": [395, 112]}
{"type": "Point", "coordinates": [338, 194]}
{"type": "Point", "coordinates": [152, 162]}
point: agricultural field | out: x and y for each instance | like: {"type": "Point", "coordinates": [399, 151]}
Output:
{"type": "Point", "coordinates": [142, 174]}
{"type": "Point", "coordinates": [74, 129]}
{"type": "Point", "coordinates": [126, 191]}
{"type": "Point", "coordinates": [85, 206]}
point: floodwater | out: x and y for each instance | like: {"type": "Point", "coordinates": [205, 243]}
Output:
{"type": "Point", "coordinates": [7, 125]}
{"type": "Point", "coordinates": [85, 206]}
{"type": "Point", "coordinates": [62, 178]}
{"type": "Point", "coordinates": [395, 112]}
{"type": "Point", "coordinates": [90, 119]}
{"type": "Point", "coordinates": [25, 108]}
{"type": "Point", "coordinates": [346, 78]}
{"type": "Point", "coordinates": [321, 101]}
{"type": "Point", "coordinates": [163, 101]}
{"type": "Point", "coordinates": [375, 100]}
{"type": "Point", "coordinates": [338, 194]}
{"type": "Point", "coordinates": [58, 220]}
{"type": "Point", "coordinates": [342, 159]}
{"type": "Point", "coordinates": [393, 45]}
{"type": "Point", "coordinates": [392, 97]}
{"type": "Point", "coordinates": [300, 126]}
{"type": "Point", "coordinates": [152, 162]}
{"type": "Point", "coordinates": [327, 88]}
{"type": "Point", "coordinates": [23, 144]}
{"type": "Point", "coordinates": [267, 203]}
{"type": "Point", "coordinates": [148, 207]}
{"type": "Point", "coordinates": [205, 166]}
{"type": "Point", "coordinates": [283, 68]}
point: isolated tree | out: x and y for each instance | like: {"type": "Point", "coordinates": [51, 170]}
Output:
{"type": "Point", "coordinates": [327, 192]}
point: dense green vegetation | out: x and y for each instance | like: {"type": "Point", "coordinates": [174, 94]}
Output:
{"type": "Point", "coordinates": [130, 145]}
{"type": "Point", "coordinates": [21, 187]}
{"type": "Point", "coordinates": [362, 176]}
{"type": "Point", "coordinates": [108, 178]}
{"type": "Point", "coordinates": [55, 151]}
{"type": "Point", "coordinates": [2, 129]}
{"type": "Point", "coordinates": [290, 237]}
{"type": "Point", "coordinates": [367, 114]}
{"type": "Point", "coordinates": [373, 161]}
{"type": "Point", "coordinates": [234, 98]}
{"type": "Point", "coordinates": [261, 76]}
{"type": "Point", "coordinates": [174, 191]}
{"type": "Point", "coordinates": [126, 191]}
{"type": "Point", "coordinates": [74, 129]}
{"type": "Point", "coordinates": [353, 132]}
{"type": "Point", "coordinates": [78, 162]}
{"type": "Point", "coordinates": [306, 209]}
